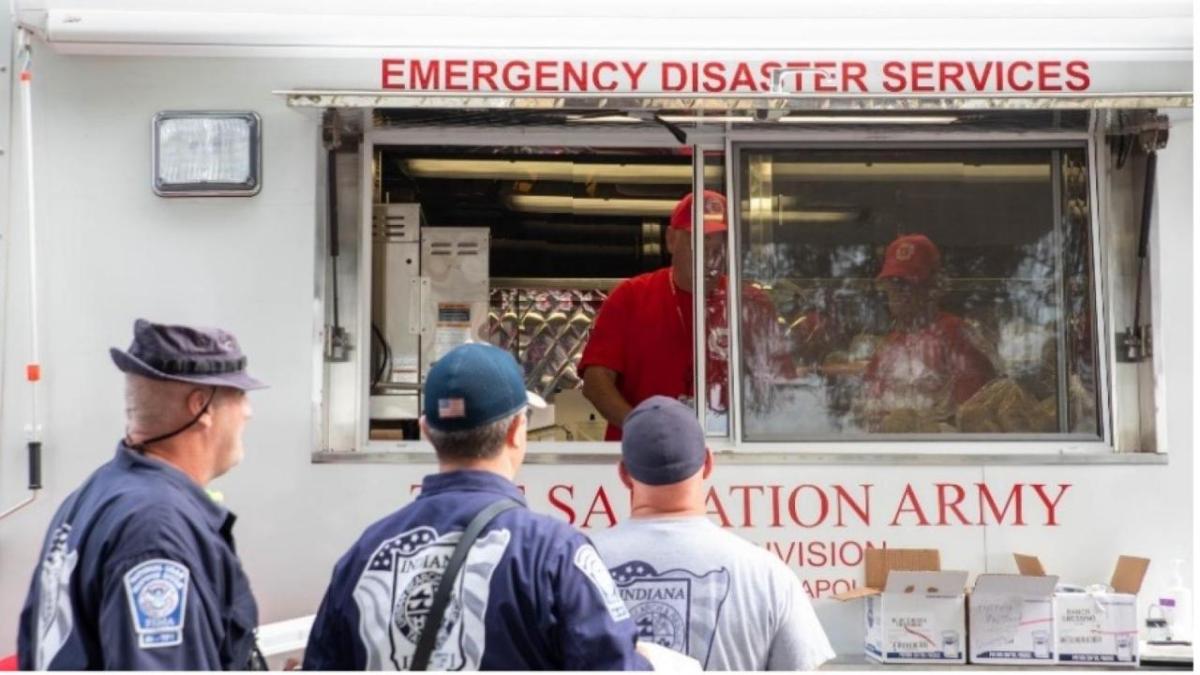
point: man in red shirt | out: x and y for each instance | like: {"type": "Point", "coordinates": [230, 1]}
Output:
{"type": "Point", "coordinates": [641, 342]}
{"type": "Point", "coordinates": [929, 363]}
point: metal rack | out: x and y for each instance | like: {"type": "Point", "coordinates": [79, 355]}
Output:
{"type": "Point", "coordinates": [545, 324]}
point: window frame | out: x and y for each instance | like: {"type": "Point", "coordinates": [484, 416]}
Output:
{"type": "Point", "coordinates": [935, 443]}
{"type": "Point", "coordinates": [733, 448]}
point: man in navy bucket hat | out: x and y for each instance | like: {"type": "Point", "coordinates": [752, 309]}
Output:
{"type": "Point", "coordinates": [531, 594]}
{"type": "Point", "coordinates": [735, 606]}
{"type": "Point", "coordinates": [138, 569]}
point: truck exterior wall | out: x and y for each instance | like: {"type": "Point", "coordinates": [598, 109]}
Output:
{"type": "Point", "coordinates": [111, 251]}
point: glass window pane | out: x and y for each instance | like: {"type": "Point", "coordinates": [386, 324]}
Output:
{"type": "Point", "coordinates": [920, 292]}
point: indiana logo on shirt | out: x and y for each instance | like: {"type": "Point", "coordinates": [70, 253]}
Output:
{"type": "Point", "coordinates": [56, 616]}
{"type": "Point", "coordinates": [677, 609]}
{"type": "Point", "coordinates": [395, 594]}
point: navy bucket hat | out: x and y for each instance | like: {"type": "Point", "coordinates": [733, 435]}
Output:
{"type": "Point", "coordinates": [203, 356]}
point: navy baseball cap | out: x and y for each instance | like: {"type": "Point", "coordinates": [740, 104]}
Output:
{"type": "Point", "coordinates": [662, 442]}
{"type": "Point", "coordinates": [473, 385]}
{"type": "Point", "coordinates": [205, 356]}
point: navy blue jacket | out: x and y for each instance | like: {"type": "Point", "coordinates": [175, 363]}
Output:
{"type": "Point", "coordinates": [533, 594]}
{"type": "Point", "coordinates": [138, 571]}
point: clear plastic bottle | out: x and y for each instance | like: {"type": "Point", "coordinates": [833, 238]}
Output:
{"type": "Point", "coordinates": [1176, 602]}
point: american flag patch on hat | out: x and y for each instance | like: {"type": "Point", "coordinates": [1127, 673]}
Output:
{"type": "Point", "coordinates": [451, 408]}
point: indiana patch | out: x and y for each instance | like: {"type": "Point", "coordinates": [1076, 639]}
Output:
{"type": "Point", "coordinates": [157, 592]}
{"type": "Point", "coordinates": [677, 609]}
{"type": "Point", "coordinates": [395, 593]}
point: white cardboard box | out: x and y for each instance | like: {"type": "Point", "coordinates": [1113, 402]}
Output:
{"type": "Point", "coordinates": [914, 612]}
{"type": "Point", "coordinates": [919, 618]}
{"type": "Point", "coordinates": [1011, 620]}
{"type": "Point", "coordinates": [1098, 628]}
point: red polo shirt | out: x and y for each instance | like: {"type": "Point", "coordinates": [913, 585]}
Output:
{"type": "Point", "coordinates": [937, 364]}
{"type": "Point", "coordinates": [644, 333]}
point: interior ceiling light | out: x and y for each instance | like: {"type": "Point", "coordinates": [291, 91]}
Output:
{"type": "Point", "coordinates": [604, 119]}
{"type": "Point", "coordinates": [915, 171]}
{"type": "Point", "coordinates": [789, 119]}
{"type": "Point", "coordinates": [589, 206]}
{"type": "Point", "coordinates": [567, 172]}
{"type": "Point", "coordinates": [869, 119]}
{"type": "Point", "coordinates": [681, 174]}
{"type": "Point", "coordinates": [797, 217]}
{"type": "Point", "coordinates": [705, 119]}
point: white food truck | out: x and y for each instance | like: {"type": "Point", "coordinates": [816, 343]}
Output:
{"type": "Point", "coordinates": [354, 188]}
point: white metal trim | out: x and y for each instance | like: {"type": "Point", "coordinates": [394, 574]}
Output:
{"type": "Point", "coordinates": [699, 294]}
{"type": "Point", "coordinates": [733, 298]}
{"type": "Point", "coordinates": [1051, 139]}
{"type": "Point", "coordinates": [362, 341]}
{"type": "Point", "coordinates": [1105, 354]}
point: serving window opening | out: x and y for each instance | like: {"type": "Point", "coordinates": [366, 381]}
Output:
{"type": "Point", "coordinates": [518, 247]}
{"type": "Point", "coordinates": [874, 291]}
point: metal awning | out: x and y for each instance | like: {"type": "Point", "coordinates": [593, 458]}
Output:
{"type": "Point", "coordinates": [716, 104]}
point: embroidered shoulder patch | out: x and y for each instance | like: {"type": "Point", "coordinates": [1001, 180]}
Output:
{"type": "Point", "coordinates": [589, 562]}
{"type": "Point", "coordinates": [157, 592]}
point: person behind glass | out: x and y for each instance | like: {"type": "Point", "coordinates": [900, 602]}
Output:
{"type": "Point", "coordinates": [641, 344]}
{"type": "Point", "coordinates": [138, 569]}
{"type": "Point", "coordinates": [533, 593]}
{"type": "Point", "coordinates": [692, 586]}
{"type": "Point", "coordinates": [929, 363]}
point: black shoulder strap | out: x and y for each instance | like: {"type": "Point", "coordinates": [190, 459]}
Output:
{"type": "Point", "coordinates": [441, 597]}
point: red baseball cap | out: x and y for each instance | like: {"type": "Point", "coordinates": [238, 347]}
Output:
{"type": "Point", "coordinates": [714, 213]}
{"type": "Point", "coordinates": [913, 257]}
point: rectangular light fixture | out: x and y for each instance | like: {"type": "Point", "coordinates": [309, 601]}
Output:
{"type": "Point", "coordinates": [788, 119]}
{"type": "Point", "coordinates": [910, 171]}
{"type": "Point", "coordinates": [604, 119]}
{"type": "Point", "coordinates": [869, 119]}
{"type": "Point", "coordinates": [557, 170]}
{"type": "Point", "coordinates": [207, 154]}
{"type": "Point", "coordinates": [697, 119]}
{"type": "Point", "coordinates": [674, 119]}
{"type": "Point", "coordinates": [588, 206]}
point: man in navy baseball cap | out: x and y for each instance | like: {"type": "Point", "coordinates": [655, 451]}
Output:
{"type": "Point", "coordinates": [472, 386]}
{"type": "Point", "coordinates": [670, 542]}
{"type": "Point", "coordinates": [534, 593]}
{"type": "Point", "coordinates": [663, 443]}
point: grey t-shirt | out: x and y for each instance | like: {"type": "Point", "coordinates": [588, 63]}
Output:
{"type": "Point", "coordinates": [712, 595]}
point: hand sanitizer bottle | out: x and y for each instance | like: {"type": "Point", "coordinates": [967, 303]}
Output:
{"type": "Point", "coordinates": [1176, 602]}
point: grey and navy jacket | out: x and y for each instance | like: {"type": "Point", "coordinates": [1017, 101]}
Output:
{"type": "Point", "coordinates": [138, 572]}
{"type": "Point", "coordinates": [533, 593]}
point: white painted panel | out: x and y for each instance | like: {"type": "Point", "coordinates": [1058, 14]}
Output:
{"type": "Point", "coordinates": [112, 251]}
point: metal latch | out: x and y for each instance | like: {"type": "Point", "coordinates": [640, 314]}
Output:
{"type": "Point", "coordinates": [1134, 344]}
{"type": "Point", "coordinates": [1145, 129]}
{"type": "Point", "coordinates": [337, 344]}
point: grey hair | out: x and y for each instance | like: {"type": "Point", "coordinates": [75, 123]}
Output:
{"type": "Point", "coordinates": [483, 442]}
{"type": "Point", "coordinates": [151, 405]}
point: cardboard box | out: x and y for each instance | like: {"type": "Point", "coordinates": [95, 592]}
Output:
{"type": "Point", "coordinates": [1011, 620]}
{"type": "Point", "coordinates": [1096, 627]}
{"type": "Point", "coordinates": [914, 611]}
